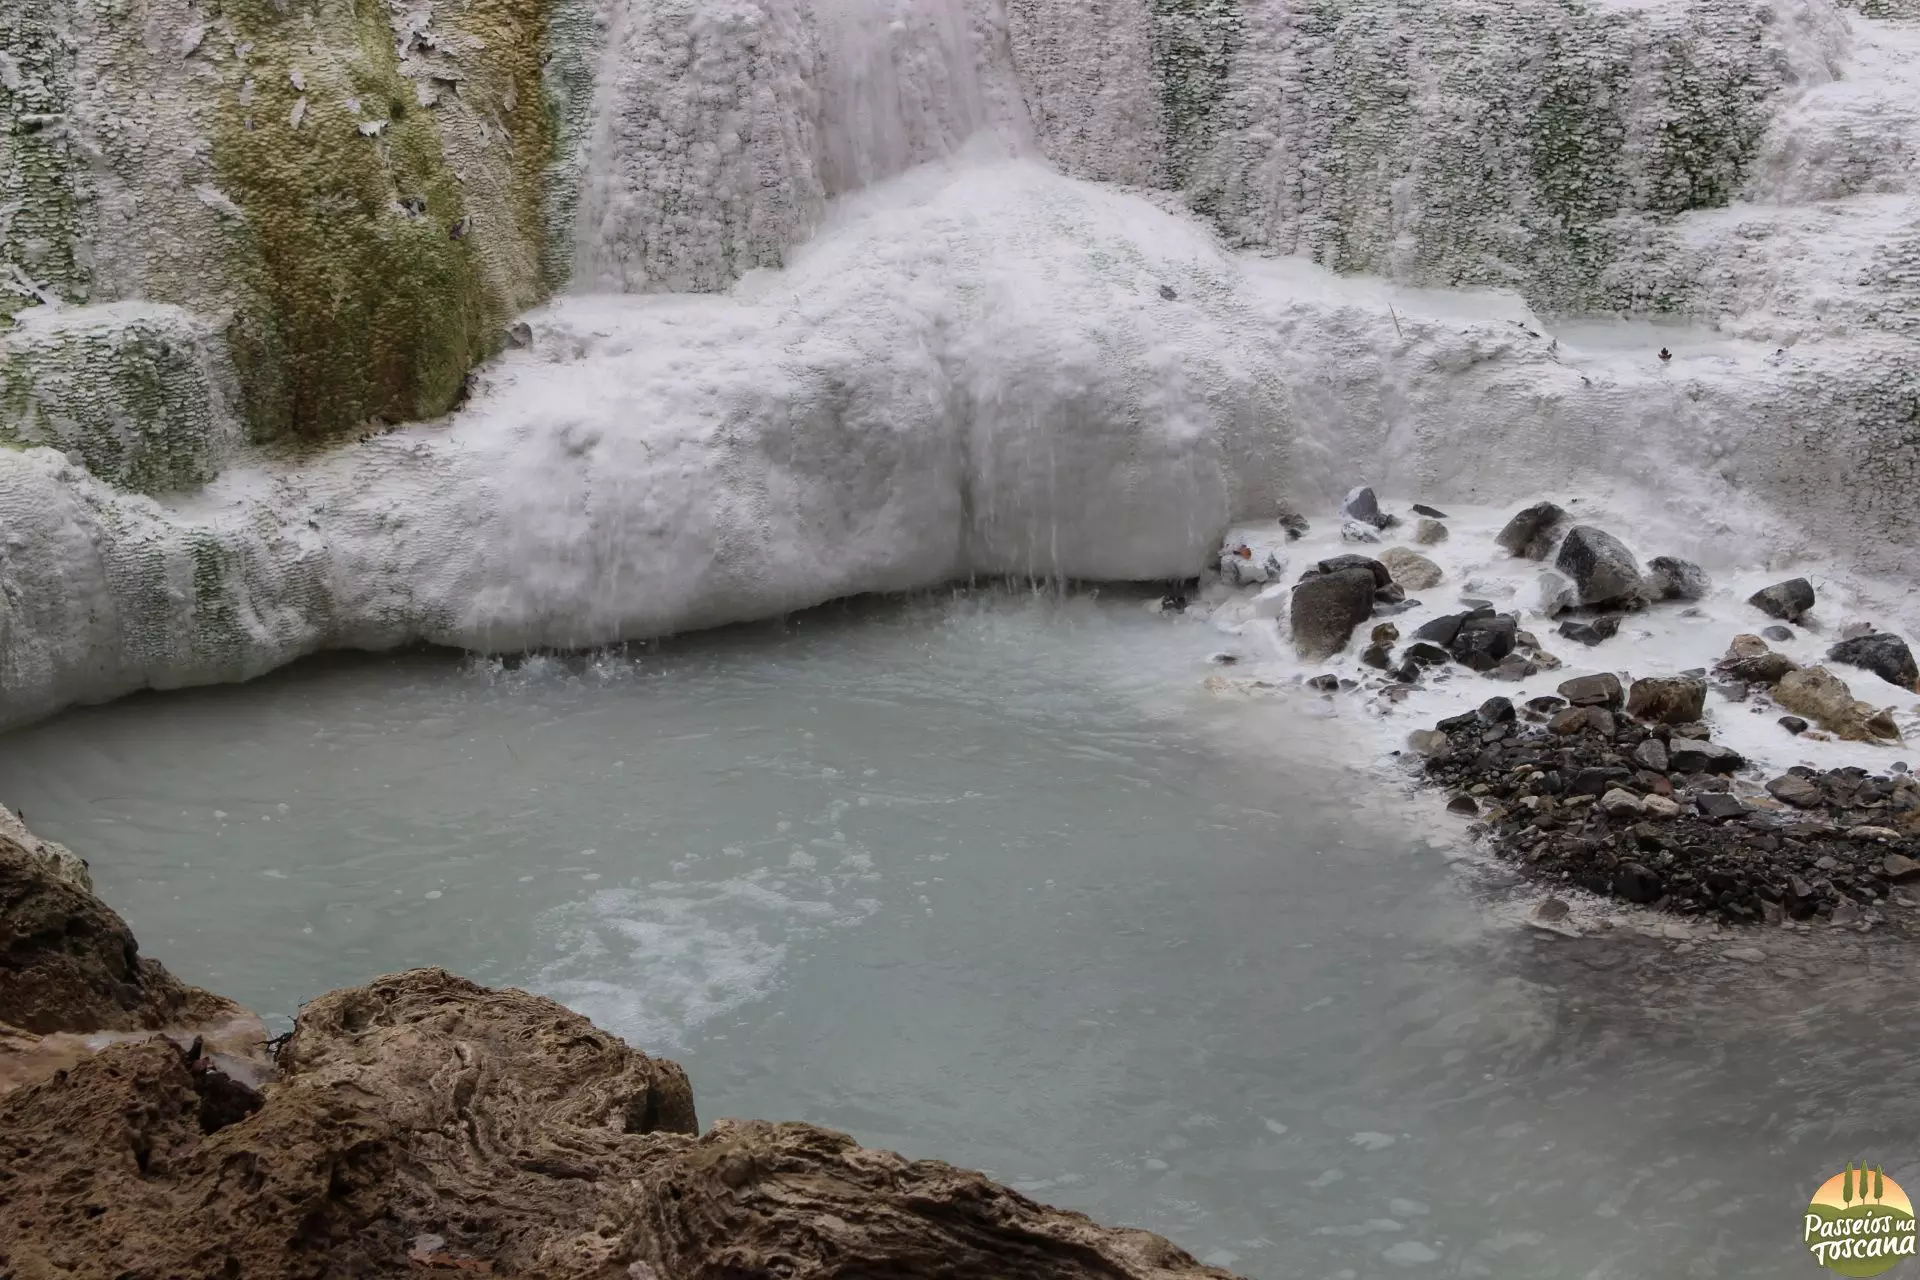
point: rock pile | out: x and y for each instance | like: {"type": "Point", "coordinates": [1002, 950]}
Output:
{"type": "Point", "coordinates": [1624, 793]}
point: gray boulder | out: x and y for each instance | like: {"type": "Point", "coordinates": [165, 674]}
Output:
{"type": "Point", "coordinates": [1698, 755]}
{"type": "Point", "coordinates": [1532, 532]}
{"type": "Point", "coordinates": [1672, 579]}
{"type": "Point", "coordinates": [1602, 690]}
{"type": "Point", "coordinates": [1798, 792]}
{"type": "Point", "coordinates": [1326, 609]}
{"type": "Point", "coordinates": [1483, 641]}
{"type": "Point", "coordinates": [1382, 576]}
{"type": "Point", "coordinates": [1602, 569]}
{"type": "Point", "coordinates": [1410, 569]}
{"type": "Point", "coordinates": [1361, 504]}
{"type": "Point", "coordinates": [1593, 630]}
{"type": "Point", "coordinates": [1884, 654]}
{"type": "Point", "coordinates": [1787, 600]}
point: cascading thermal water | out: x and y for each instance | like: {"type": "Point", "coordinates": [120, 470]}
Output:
{"type": "Point", "coordinates": [721, 132]}
{"type": "Point", "coordinates": [724, 375]}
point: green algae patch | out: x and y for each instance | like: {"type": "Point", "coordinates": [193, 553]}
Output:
{"type": "Point", "coordinates": [370, 301]}
{"type": "Point", "coordinates": [516, 36]}
{"type": "Point", "coordinates": [47, 191]}
{"type": "Point", "coordinates": [132, 394]}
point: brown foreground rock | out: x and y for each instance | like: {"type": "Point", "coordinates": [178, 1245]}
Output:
{"type": "Point", "coordinates": [69, 963]}
{"type": "Point", "coordinates": [423, 1123]}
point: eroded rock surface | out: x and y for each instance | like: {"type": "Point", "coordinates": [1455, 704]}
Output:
{"type": "Point", "coordinates": [68, 963]}
{"type": "Point", "coordinates": [425, 1122]}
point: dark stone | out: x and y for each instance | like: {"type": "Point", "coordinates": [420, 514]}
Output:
{"type": "Point", "coordinates": [1426, 655]}
{"type": "Point", "coordinates": [1600, 566]}
{"type": "Point", "coordinates": [1175, 602]}
{"type": "Point", "coordinates": [1798, 792]}
{"type": "Point", "coordinates": [1324, 683]}
{"type": "Point", "coordinates": [1422, 509]}
{"type": "Point", "coordinates": [1602, 690]}
{"type": "Point", "coordinates": [1378, 656]}
{"type": "Point", "coordinates": [1483, 641]}
{"type": "Point", "coordinates": [1392, 593]}
{"type": "Point", "coordinates": [1653, 754]}
{"type": "Point", "coordinates": [1734, 690]}
{"type": "Point", "coordinates": [1407, 673]}
{"type": "Point", "coordinates": [1572, 720]}
{"type": "Point", "coordinates": [1361, 504]}
{"type": "Point", "coordinates": [1496, 711]}
{"type": "Point", "coordinates": [1763, 668]}
{"type": "Point", "coordinates": [1697, 755]}
{"type": "Point", "coordinates": [1884, 654]}
{"type": "Point", "coordinates": [1636, 883]}
{"type": "Point", "coordinates": [1166, 291]}
{"type": "Point", "coordinates": [1295, 524]}
{"type": "Point", "coordinates": [1777, 633]}
{"type": "Point", "coordinates": [1341, 563]}
{"type": "Point", "coordinates": [1440, 630]}
{"type": "Point", "coordinates": [1786, 600]}
{"type": "Point", "coordinates": [1477, 606]}
{"type": "Point", "coordinates": [1668, 699]}
{"type": "Point", "coordinates": [1327, 608]}
{"type": "Point", "coordinates": [1669, 578]}
{"type": "Point", "coordinates": [1545, 704]}
{"type": "Point", "coordinates": [1513, 668]}
{"type": "Point", "coordinates": [1594, 781]}
{"type": "Point", "coordinates": [1718, 806]}
{"type": "Point", "coordinates": [1604, 627]}
{"type": "Point", "coordinates": [1532, 532]}
{"type": "Point", "coordinates": [1463, 804]}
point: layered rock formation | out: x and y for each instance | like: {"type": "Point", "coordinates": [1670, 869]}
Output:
{"type": "Point", "coordinates": [424, 1123]}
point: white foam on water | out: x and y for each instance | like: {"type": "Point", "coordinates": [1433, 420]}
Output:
{"type": "Point", "coordinates": [658, 961]}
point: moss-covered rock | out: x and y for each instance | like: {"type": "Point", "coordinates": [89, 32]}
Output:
{"type": "Point", "coordinates": [357, 195]}
{"type": "Point", "coordinates": [140, 393]}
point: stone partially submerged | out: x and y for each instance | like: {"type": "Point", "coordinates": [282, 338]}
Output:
{"type": "Point", "coordinates": [1326, 607]}
{"type": "Point", "coordinates": [1532, 532]}
{"type": "Point", "coordinates": [1670, 578]}
{"type": "Point", "coordinates": [1825, 699]}
{"type": "Point", "coordinates": [1788, 600]}
{"type": "Point", "coordinates": [1601, 567]}
{"type": "Point", "coordinates": [1884, 654]}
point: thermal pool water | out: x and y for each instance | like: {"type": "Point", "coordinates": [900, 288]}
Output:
{"type": "Point", "coordinates": [990, 877]}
